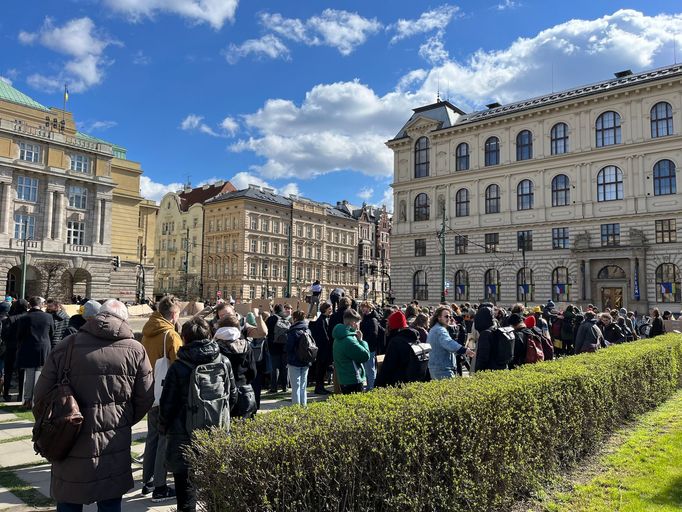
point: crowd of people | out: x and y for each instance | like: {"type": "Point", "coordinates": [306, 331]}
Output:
{"type": "Point", "coordinates": [213, 368]}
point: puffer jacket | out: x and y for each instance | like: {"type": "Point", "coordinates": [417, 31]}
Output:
{"type": "Point", "coordinates": [153, 334]}
{"type": "Point", "coordinates": [112, 380]}
{"type": "Point", "coordinates": [61, 322]}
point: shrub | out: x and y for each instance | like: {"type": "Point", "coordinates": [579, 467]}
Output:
{"type": "Point", "coordinates": [464, 444]}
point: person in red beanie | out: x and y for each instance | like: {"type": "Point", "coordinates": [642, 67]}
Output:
{"type": "Point", "coordinates": [406, 359]}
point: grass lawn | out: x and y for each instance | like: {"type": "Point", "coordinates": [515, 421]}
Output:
{"type": "Point", "coordinates": [18, 410]}
{"type": "Point", "coordinates": [644, 474]}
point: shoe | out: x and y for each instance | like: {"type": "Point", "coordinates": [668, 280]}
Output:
{"type": "Point", "coordinates": [146, 489]}
{"type": "Point", "coordinates": [164, 493]}
{"type": "Point", "coordinates": [322, 391]}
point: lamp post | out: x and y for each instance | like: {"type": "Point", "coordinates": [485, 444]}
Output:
{"type": "Point", "coordinates": [23, 260]}
{"type": "Point", "coordinates": [522, 242]}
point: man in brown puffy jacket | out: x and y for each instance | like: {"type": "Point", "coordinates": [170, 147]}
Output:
{"type": "Point", "coordinates": [112, 380]}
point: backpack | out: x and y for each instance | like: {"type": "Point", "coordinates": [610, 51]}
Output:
{"type": "Point", "coordinates": [257, 349]}
{"type": "Point", "coordinates": [502, 339]}
{"type": "Point", "coordinates": [547, 346]}
{"type": "Point", "coordinates": [418, 366]}
{"type": "Point", "coordinates": [534, 349]}
{"type": "Point", "coordinates": [281, 329]}
{"type": "Point", "coordinates": [306, 350]}
{"type": "Point", "coordinates": [208, 402]}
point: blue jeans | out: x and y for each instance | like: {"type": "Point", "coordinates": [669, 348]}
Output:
{"type": "Point", "coordinates": [370, 370]}
{"type": "Point", "coordinates": [298, 378]}
{"type": "Point", "coordinates": [112, 505]}
{"type": "Point", "coordinates": [442, 373]}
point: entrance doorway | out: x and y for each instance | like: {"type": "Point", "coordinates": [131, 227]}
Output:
{"type": "Point", "coordinates": [611, 298]}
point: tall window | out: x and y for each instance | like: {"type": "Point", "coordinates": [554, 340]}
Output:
{"type": "Point", "coordinates": [462, 157]}
{"type": "Point", "coordinates": [462, 203]}
{"type": "Point", "coordinates": [608, 129]}
{"type": "Point", "coordinates": [461, 285]}
{"type": "Point", "coordinates": [561, 190]}
{"type": "Point", "coordinates": [29, 152]}
{"type": "Point", "coordinates": [492, 199]}
{"type": "Point", "coordinates": [559, 238]}
{"type": "Point", "coordinates": [668, 287]}
{"type": "Point", "coordinates": [610, 184]}
{"type": "Point", "coordinates": [491, 284]}
{"type": "Point", "coordinates": [81, 163]}
{"type": "Point", "coordinates": [421, 158]}
{"type": "Point", "coordinates": [560, 284]}
{"type": "Point", "coordinates": [419, 286]}
{"type": "Point", "coordinates": [75, 233]}
{"type": "Point", "coordinates": [524, 240]}
{"type": "Point", "coordinates": [524, 285]}
{"type": "Point", "coordinates": [661, 119]}
{"type": "Point", "coordinates": [78, 197]}
{"type": "Point", "coordinates": [27, 188]}
{"type": "Point", "coordinates": [492, 240]}
{"type": "Point", "coordinates": [524, 145]}
{"type": "Point", "coordinates": [665, 180]}
{"type": "Point", "coordinates": [420, 247]}
{"type": "Point", "coordinates": [24, 222]}
{"type": "Point", "coordinates": [421, 207]}
{"type": "Point", "coordinates": [610, 235]}
{"type": "Point", "coordinates": [559, 139]}
{"type": "Point", "coordinates": [254, 223]}
{"type": "Point", "coordinates": [666, 231]}
{"type": "Point", "coordinates": [461, 244]}
{"type": "Point", "coordinates": [524, 195]}
{"type": "Point", "coordinates": [492, 151]}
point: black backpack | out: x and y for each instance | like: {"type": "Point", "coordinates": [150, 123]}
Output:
{"type": "Point", "coordinates": [418, 366]}
{"type": "Point", "coordinates": [502, 341]}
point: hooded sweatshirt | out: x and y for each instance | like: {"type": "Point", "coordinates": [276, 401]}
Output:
{"type": "Point", "coordinates": [153, 333]}
{"type": "Point", "coordinates": [349, 354]}
{"type": "Point", "coordinates": [485, 350]}
{"type": "Point", "coordinates": [237, 349]}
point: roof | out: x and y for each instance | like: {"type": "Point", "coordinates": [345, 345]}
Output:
{"type": "Point", "coordinates": [119, 151]}
{"type": "Point", "coordinates": [442, 111]}
{"type": "Point", "coordinates": [202, 194]}
{"type": "Point", "coordinates": [9, 93]}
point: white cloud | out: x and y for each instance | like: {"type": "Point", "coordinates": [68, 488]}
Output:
{"type": "Point", "coordinates": [387, 198]}
{"type": "Point", "coordinates": [230, 126]}
{"type": "Point", "coordinates": [433, 50]}
{"type": "Point", "coordinates": [508, 4]}
{"type": "Point", "coordinates": [140, 59]}
{"type": "Point", "coordinates": [94, 126]}
{"type": "Point", "coordinates": [152, 190]}
{"type": "Point", "coordinates": [213, 12]}
{"type": "Point", "coordinates": [366, 193]}
{"type": "Point", "coordinates": [84, 46]}
{"type": "Point", "coordinates": [243, 179]}
{"type": "Point", "coordinates": [6, 80]}
{"type": "Point", "coordinates": [290, 188]}
{"type": "Point", "coordinates": [192, 122]}
{"type": "Point", "coordinates": [267, 46]}
{"type": "Point", "coordinates": [342, 30]}
{"type": "Point", "coordinates": [435, 19]}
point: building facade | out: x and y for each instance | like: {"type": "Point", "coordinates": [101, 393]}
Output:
{"type": "Point", "coordinates": [180, 239]}
{"type": "Point", "coordinates": [571, 196]}
{"type": "Point", "coordinates": [253, 237]}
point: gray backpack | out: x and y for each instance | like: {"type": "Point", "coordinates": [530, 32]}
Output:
{"type": "Point", "coordinates": [208, 402]}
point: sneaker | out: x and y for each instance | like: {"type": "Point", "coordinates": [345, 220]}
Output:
{"type": "Point", "coordinates": [163, 494]}
{"type": "Point", "coordinates": [322, 391]}
{"type": "Point", "coordinates": [146, 489]}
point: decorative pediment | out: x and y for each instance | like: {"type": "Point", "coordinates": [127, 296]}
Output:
{"type": "Point", "coordinates": [421, 125]}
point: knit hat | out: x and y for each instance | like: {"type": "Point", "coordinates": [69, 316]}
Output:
{"type": "Point", "coordinates": [91, 308]}
{"type": "Point", "coordinates": [515, 319]}
{"type": "Point", "coordinates": [530, 321]}
{"type": "Point", "coordinates": [397, 321]}
{"type": "Point", "coordinates": [251, 319]}
{"type": "Point", "coordinates": [227, 334]}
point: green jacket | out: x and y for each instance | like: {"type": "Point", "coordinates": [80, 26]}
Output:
{"type": "Point", "coordinates": [349, 354]}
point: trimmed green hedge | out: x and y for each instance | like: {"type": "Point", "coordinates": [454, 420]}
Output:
{"type": "Point", "coordinates": [462, 444]}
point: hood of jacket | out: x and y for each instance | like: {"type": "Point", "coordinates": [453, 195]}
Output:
{"type": "Point", "coordinates": [230, 340]}
{"type": "Point", "coordinates": [299, 326]}
{"type": "Point", "coordinates": [156, 326]}
{"type": "Point", "coordinates": [483, 319]}
{"type": "Point", "coordinates": [341, 331]}
{"type": "Point", "coordinates": [199, 352]}
{"type": "Point", "coordinates": [108, 326]}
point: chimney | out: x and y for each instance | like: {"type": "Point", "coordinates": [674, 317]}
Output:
{"type": "Point", "coordinates": [494, 104]}
{"type": "Point", "coordinates": [269, 190]}
{"type": "Point", "coordinates": [623, 74]}
{"type": "Point", "coordinates": [219, 183]}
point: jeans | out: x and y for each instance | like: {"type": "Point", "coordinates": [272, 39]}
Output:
{"type": "Point", "coordinates": [298, 376]}
{"type": "Point", "coordinates": [314, 304]}
{"type": "Point", "coordinates": [154, 459]}
{"type": "Point", "coordinates": [30, 378]}
{"type": "Point", "coordinates": [112, 505]}
{"type": "Point", "coordinates": [442, 373]}
{"type": "Point", "coordinates": [278, 376]}
{"type": "Point", "coordinates": [370, 370]}
{"type": "Point", "coordinates": [185, 492]}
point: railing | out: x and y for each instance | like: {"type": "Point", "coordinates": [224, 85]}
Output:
{"type": "Point", "coordinates": [18, 243]}
{"type": "Point", "coordinates": [82, 249]}
{"type": "Point", "coordinates": [45, 132]}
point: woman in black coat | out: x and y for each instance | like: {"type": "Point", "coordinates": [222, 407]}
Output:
{"type": "Point", "coordinates": [9, 336]}
{"type": "Point", "coordinates": [320, 331]}
{"type": "Point", "coordinates": [657, 327]}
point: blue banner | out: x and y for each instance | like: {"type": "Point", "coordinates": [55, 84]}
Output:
{"type": "Point", "coordinates": [636, 286]}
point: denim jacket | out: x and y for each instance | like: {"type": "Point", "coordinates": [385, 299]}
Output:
{"type": "Point", "coordinates": [443, 349]}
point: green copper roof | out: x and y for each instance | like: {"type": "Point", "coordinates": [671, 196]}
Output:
{"type": "Point", "coordinates": [119, 151]}
{"type": "Point", "coordinates": [9, 93]}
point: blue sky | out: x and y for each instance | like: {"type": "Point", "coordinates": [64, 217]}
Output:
{"type": "Point", "coordinates": [302, 95]}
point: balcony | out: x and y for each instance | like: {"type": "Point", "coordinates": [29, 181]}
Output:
{"type": "Point", "coordinates": [33, 245]}
{"type": "Point", "coordinates": [77, 249]}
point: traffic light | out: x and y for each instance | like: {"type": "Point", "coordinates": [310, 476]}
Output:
{"type": "Point", "coordinates": [117, 262]}
{"type": "Point", "coordinates": [373, 269]}
{"type": "Point", "coordinates": [361, 268]}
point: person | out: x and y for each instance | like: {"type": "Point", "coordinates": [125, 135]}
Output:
{"type": "Point", "coordinates": [372, 333]}
{"type": "Point", "coordinates": [315, 292]}
{"type": "Point", "coordinates": [421, 325]}
{"type": "Point", "coordinates": [350, 352]}
{"type": "Point", "coordinates": [17, 310]}
{"type": "Point", "coordinates": [484, 324]}
{"type": "Point", "coordinates": [567, 324]}
{"type": "Point", "coordinates": [112, 378]}
{"type": "Point", "coordinates": [160, 339]}
{"type": "Point", "coordinates": [541, 323]}
{"type": "Point", "coordinates": [278, 375]}
{"type": "Point", "coordinates": [626, 325]}
{"type": "Point", "coordinates": [611, 331]}
{"type": "Point", "coordinates": [319, 328]}
{"type": "Point", "coordinates": [76, 321]}
{"type": "Point", "coordinates": [298, 370]}
{"type": "Point", "coordinates": [344, 304]}
{"type": "Point", "coordinates": [335, 296]}
{"type": "Point", "coordinates": [60, 318]}
{"type": "Point", "coordinates": [444, 349]}
{"type": "Point", "coordinates": [657, 326]}
{"type": "Point", "coordinates": [4, 315]}
{"type": "Point", "coordinates": [521, 334]}
{"type": "Point", "coordinates": [34, 332]}
{"type": "Point", "coordinates": [397, 368]}
{"type": "Point", "coordinates": [197, 349]}
{"type": "Point", "coordinates": [260, 339]}
{"type": "Point", "coordinates": [589, 336]}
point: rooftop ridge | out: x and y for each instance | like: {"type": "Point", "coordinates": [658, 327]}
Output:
{"type": "Point", "coordinates": [12, 95]}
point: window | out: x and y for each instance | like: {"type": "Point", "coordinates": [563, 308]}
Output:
{"type": "Point", "coordinates": [661, 119]}
{"type": "Point", "coordinates": [492, 199]}
{"type": "Point", "coordinates": [81, 163]}
{"type": "Point", "coordinates": [524, 240]}
{"type": "Point", "coordinates": [462, 203]}
{"type": "Point", "coordinates": [559, 238]}
{"type": "Point", "coordinates": [666, 231]}
{"type": "Point", "coordinates": [561, 190]}
{"type": "Point", "coordinates": [420, 247]}
{"type": "Point", "coordinates": [24, 223]}
{"type": "Point", "coordinates": [265, 225]}
{"type": "Point", "coordinates": [665, 180]}
{"type": "Point", "coordinates": [491, 284]}
{"type": "Point", "coordinates": [461, 285]}
{"type": "Point", "coordinates": [195, 222]}
{"type": "Point", "coordinates": [275, 248]}
{"type": "Point", "coordinates": [492, 240]}
{"type": "Point", "coordinates": [461, 244]}
{"type": "Point", "coordinates": [524, 195]}
{"type": "Point", "coordinates": [608, 129]}
{"type": "Point", "coordinates": [421, 207]}
{"type": "Point", "coordinates": [421, 158]}
{"type": "Point", "coordinates": [524, 145]}
{"type": "Point", "coordinates": [668, 287]}
{"type": "Point", "coordinates": [559, 139]}
{"type": "Point", "coordinates": [299, 231]}
{"type": "Point", "coordinates": [419, 286]}
{"type": "Point", "coordinates": [264, 247]}
{"type": "Point", "coordinates": [611, 272]}
{"type": "Point", "coordinates": [254, 246]}
{"type": "Point", "coordinates": [78, 197]}
{"type": "Point", "coordinates": [275, 226]}
{"type": "Point", "coordinates": [610, 184]}
{"type": "Point", "coordinates": [560, 284]}
{"type": "Point", "coordinates": [75, 233]}
{"type": "Point", "coordinates": [254, 223]}
{"type": "Point", "coordinates": [492, 151]}
{"type": "Point", "coordinates": [29, 152]}
{"type": "Point", "coordinates": [27, 188]}
{"type": "Point", "coordinates": [462, 157]}
{"type": "Point", "coordinates": [524, 285]}
{"type": "Point", "coordinates": [610, 235]}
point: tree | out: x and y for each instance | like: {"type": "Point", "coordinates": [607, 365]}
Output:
{"type": "Point", "coordinates": [50, 269]}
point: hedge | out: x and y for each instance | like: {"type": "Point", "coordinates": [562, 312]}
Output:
{"type": "Point", "coordinates": [474, 444]}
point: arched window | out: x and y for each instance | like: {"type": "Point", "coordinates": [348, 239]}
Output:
{"type": "Point", "coordinates": [462, 157]}
{"type": "Point", "coordinates": [611, 272]}
{"type": "Point", "coordinates": [668, 287]}
{"type": "Point", "coordinates": [420, 290]}
{"type": "Point", "coordinates": [421, 158]}
{"type": "Point", "coordinates": [524, 285]}
{"type": "Point", "coordinates": [492, 199]}
{"type": "Point", "coordinates": [559, 138]}
{"type": "Point", "coordinates": [524, 195]}
{"type": "Point", "coordinates": [524, 145]}
{"type": "Point", "coordinates": [608, 129]}
{"type": "Point", "coordinates": [492, 151]}
{"type": "Point", "coordinates": [421, 207]}
{"type": "Point", "coordinates": [560, 284]}
{"type": "Point", "coordinates": [661, 119]}
{"type": "Point", "coordinates": [561, 190]}
{"type": "Point", "coordinates": [461, 285]}
{"type": "Point", "coordinates": [610, 184]}
{"type": "Point", "coordinates": [665, 181]}
{"type": "Point", "coordinates": [462, 203]}
{"type": "Point", "coordinates": [491, 283]}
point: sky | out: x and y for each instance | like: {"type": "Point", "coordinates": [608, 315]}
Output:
{"type": "Point", "coordinates": [301, 96]}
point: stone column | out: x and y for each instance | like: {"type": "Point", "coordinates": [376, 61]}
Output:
{"type": "Point", "coordinates": [48, 215]}
{"type": "Point", "coordinates": [96, 224]}
{"type": "Point", "coordinates": [6, 206]}
{"type": "Point", "coordinates": [588, 279]}
{"type": "Point", "coordinates": [61, 221]}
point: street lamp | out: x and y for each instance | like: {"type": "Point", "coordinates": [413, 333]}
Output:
{"type": "Point", "coordinates": [524, 283]}
{"type": "Point", "coordinates": [23, 260]}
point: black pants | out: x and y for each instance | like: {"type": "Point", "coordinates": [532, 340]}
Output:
{"type": "Point", "coordinates": [351, 388]}
{"type": "Point", "coordinates": [334, 299]}
{"type": "Point", "coordinates": [10, 359]}
{"type": "Point", "coordinates": [321, 368]}
{"type": "Point", "coordinates": [185, 492]}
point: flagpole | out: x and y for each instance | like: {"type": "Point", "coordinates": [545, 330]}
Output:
{"type": "Point", "coordinates": [66, 92]}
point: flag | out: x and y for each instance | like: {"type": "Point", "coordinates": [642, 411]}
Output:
{"type": "Point", "coordinates": [66, 94]}
{"type": "Point", "coordinates": [524, 289]}
{"type": "Point", "coordinates": [560, 289]}
{"type": "Point", "coordinates": [461, 288]}
{"type": "Point", "coordinates": [492, 288]}
{"type": "Point", "coordinates": [666, 288]}
{"type": "Point", "coordinates": [636, 286]}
